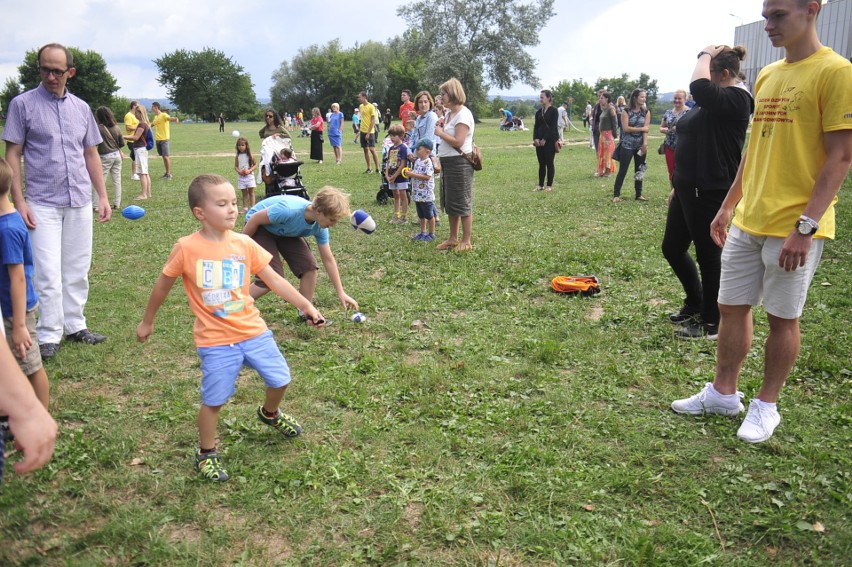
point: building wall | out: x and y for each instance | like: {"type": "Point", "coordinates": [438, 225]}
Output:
{"type": "Point", "coordinates": [834, 26]}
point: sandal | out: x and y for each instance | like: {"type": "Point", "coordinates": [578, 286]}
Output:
{"type": "Point", "coordinates": [548, 189]}
{"type": "Point", "coordinates": [641, 198]}
{"type": "Point", "coordinates": [464, 247]}
{"type": "Point", "coordinates": [446, 245]}
{"type": "Point", "coordinates": [538, 188]}
{"type": "Point", "coordinates": [617, 199]}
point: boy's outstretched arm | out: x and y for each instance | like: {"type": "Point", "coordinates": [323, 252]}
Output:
{"type": "Point", "coordinates": [290, 294]}
{"type": "Point", "coordinates": [333, 272]}
{"type": "Point", "coordinates": [158, 295]}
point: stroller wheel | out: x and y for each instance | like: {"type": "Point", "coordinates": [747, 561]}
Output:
{"type": "Point", "coordinates": [382, 196]}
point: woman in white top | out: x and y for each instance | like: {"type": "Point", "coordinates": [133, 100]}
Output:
{"type": "Point", "coordinates": [456, 129]}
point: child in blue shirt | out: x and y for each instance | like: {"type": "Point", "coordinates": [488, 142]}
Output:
{"type": "Point", "coordinates": [423, 191]}
{"type": "Point", "coordinates": [18, 299]}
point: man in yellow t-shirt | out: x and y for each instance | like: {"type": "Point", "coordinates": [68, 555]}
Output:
{"type": "Point", "coordinates": [130, 124]}
{"type": "Point", "coordinates": [367, 130]}
{"type": "Point", "coordinates": [799, 153]}
{"type": "Point", "coordinates": [162, 135]}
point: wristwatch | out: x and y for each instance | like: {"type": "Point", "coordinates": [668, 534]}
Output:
{"type": "Point", "coordinates": [806, 226]}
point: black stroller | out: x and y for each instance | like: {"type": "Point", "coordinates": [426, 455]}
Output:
{"type": "Point", "coordinates": [286, 179]}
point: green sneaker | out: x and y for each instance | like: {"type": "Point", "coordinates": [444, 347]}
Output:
{"type": "Point", "coordinates": [210, 467]}
{"type": "Point", "coordinates": [285, 424]}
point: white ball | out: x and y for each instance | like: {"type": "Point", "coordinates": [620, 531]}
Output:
{"type": "Point", "coordinates": [235, 133]}
{"type": "Point", "coordinates": [361, 220]}
{"type": "Point", "coordinates": [358, 317]}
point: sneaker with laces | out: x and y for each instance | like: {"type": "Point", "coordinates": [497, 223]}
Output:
{"type": "Point", "coordinates": [285, 424]}
{"type": "Point", "coordinates": [86, 336]}
{"type": "Point", "coordinates": [708, 400]}
{"type": "Point", "coordinates": [166, 176]}
{"type": "Point", "coordinates": [135, 177]}
{"type": "Point", "coordinates": [209, 465]}
{"type": "Point", "coordinates": [698, 330]}
{"type": "Point", "coordinates": [759, 423]}
{"type": "Point", "coordinates": [685, 314]}
{"type": "Point", "coordinates": [48, 350]}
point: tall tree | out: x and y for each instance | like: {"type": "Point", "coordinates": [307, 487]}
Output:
{"type": "Point", "coordinates": [93, 82]}
{"type": "Point", "coordinates": [480, 42]}
{"type": "Point", "coordinates": [206, 83]}
{"type": "Point", "coordinates": [623, 86]}
{"type": "Point", "coordinates": [11, 89]}
{"type": "Point", "coordinates": [579, 90]}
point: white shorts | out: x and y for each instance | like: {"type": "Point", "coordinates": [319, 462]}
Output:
{"type": "Point", "coordinates": [246, 182]}
{"type": "Point", "coordinates": [141, 161]}
{"type": "Point", "coordinates": [751, 274]}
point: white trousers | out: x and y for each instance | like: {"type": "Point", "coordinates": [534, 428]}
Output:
{"type": "Point", "coordinates": [111, 166]}
{"type": "Point", "coordinates": [62, 256]}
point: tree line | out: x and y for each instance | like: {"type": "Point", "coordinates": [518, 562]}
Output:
{"type": "Point", "coordinates": [481, 42]}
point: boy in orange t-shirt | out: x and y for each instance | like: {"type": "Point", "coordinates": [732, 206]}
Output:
{"type": "Point", "coordinates": [216, 265]}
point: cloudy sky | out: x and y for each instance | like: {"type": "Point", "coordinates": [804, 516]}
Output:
{"type": "Point", "coordinates": [601, 38]}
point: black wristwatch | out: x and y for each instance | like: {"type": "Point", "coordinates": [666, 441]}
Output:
{"type": "Point", "coordinates": [806, 226]}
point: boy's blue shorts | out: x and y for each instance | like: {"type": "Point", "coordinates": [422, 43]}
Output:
{"type": "Point", "coordinates": [426, 209]}
{"type": "Point", "coordinates": [220, 367]}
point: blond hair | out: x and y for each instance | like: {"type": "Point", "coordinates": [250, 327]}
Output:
{"type": "Point", "coordinates": [454, 91]}
{"type": "Point", "coordinates": [141, 113]}
{"type": "Point", "coordinates": [332, 202]}
{"type": "Point", "coordinates": [5, 177]}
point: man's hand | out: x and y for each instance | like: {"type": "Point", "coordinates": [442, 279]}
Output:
{"type": "Point", "coordinates": [104, 211]}
{"type": "Point", "coordinates": [719, 227]}
{"type": "Point", "coordinates": [35, 435]}
{"type": "Point", "coordinates": [795, 251]}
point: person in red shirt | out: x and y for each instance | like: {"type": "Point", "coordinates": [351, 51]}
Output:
{"type": "Point", "coordinates": [406, 106]}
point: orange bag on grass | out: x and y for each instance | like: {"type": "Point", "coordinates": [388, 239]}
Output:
{"type": "Point", "coordinates": [584, 285]}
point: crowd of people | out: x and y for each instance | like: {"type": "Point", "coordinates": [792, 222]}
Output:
{"type": "Point", "coordinates": [758, 218]}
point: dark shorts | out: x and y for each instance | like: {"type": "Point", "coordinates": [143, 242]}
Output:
{"type": "Point", "coordinates": [294, 250]}
{"type": "Point", "coordinates": [426, 210]}
{"type": "Point", "coordinates": [163, 148]}
{"type": "Point", "coordinates": [368, 140]}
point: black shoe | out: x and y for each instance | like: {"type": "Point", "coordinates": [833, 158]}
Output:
{"type": "Point", "coordinates": [684, 315]}
{"type": "Point", "coordinates": [698, 330]}
{"type": "Point", "coordinates": [368, 171]}
{"type": "Point", "coordinates": [48, 350]}
{"type": "Point", "coordinates": [86, 336]}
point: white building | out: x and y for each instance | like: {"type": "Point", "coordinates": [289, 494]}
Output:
{"type": "Point", "coordinates": [834, 26]}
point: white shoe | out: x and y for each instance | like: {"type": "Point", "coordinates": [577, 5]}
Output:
{"type": "Point", "coordinates": [759, 423]}
{"type": "Point", "coordinates": [135, 177]}
{"type": "Point", "coordinates": [709, 400]}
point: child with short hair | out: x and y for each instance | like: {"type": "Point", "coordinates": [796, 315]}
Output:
{"type": "Point", "coordinates": [409, 128]}
{"type": "Point", "coordinates": [18, 298]}
{"type": "Point", "coordinates": [216, 264]}
{"type": "Point", "coordinates": [245, 165]}
{"type": "Point", "coordinates": [397, 159]}
{"type": "Point", "coordinates": [423, 191]}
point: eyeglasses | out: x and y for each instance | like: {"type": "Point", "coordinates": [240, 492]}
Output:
{"type": "Point", "coordinates": [45, 72]}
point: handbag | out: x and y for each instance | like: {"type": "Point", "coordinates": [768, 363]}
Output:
{"type": "Point", "coordinates": [662, 149]}
{"type": "Point", "coordinates": [474, 157]}
{"type": "Point", "coordinates": [616, 153]}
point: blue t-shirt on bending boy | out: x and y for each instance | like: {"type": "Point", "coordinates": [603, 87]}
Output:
{"type": "Point", "coordinates": [287, 218]}
{"type": "Point", "coordinates": [15, 248]}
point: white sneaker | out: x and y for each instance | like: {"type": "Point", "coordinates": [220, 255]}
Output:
{"type": "Point", "coordinates": [709, 400]}
{"type": "Point", "coordinates": [135, 177]}
{"type": "Point", "coordinates": [759, 423]}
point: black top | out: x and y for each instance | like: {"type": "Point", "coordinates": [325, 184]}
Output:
{"type": "Point", "coordinates": [710, 137]}
{"type": "Point", "coordinates": [546, 127]}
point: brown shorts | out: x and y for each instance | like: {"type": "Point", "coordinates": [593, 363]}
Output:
{"type": "Point", "coordinates": [294, 250]}
{"type": "Point", "coordinates": [31, 363]}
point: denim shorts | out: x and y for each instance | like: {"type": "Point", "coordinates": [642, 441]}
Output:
{"type": "Point", "coordinates": [220, 367]}
{"type": "Point", "coordinates": [398, 186]}
{"type": "Point", "coordinates": [426, 209]}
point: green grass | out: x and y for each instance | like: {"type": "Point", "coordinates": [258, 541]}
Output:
{"type": "Point", "coordinates": [514, 427]}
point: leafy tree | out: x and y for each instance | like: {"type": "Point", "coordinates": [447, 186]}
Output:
{"type": "Point", "coordinates": [480, 42]}
{"type": "Point", "coordinates": [623, 86]}
{"type": "Point", "coordinates": [578, 89]}
{"type": "Point", "coordinates": [206, 82]}
{"type": "Point", "coordinates": [93, 82]}
{"type": "Point", "coordinates": [11, 89]}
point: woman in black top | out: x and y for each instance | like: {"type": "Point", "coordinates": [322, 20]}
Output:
{"type": "Point", "coordinates": [709, 147]}
{"type": "Point", "coordinates": [545, 135]}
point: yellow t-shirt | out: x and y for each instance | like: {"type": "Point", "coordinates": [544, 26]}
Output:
{"type": "Point", "coordinates": [216, 277]}
{"type": "Point", "coordinates": [368, 118]}
{"type": "Point", "coordinates": [130, 123]}
{"type": "Point", "coordinates": [161, 124]}
{"type": "Point", "coordinates": [795, 103]}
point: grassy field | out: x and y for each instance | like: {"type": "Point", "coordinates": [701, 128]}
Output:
{"type": "Point", "coordinates": [476, 418]}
